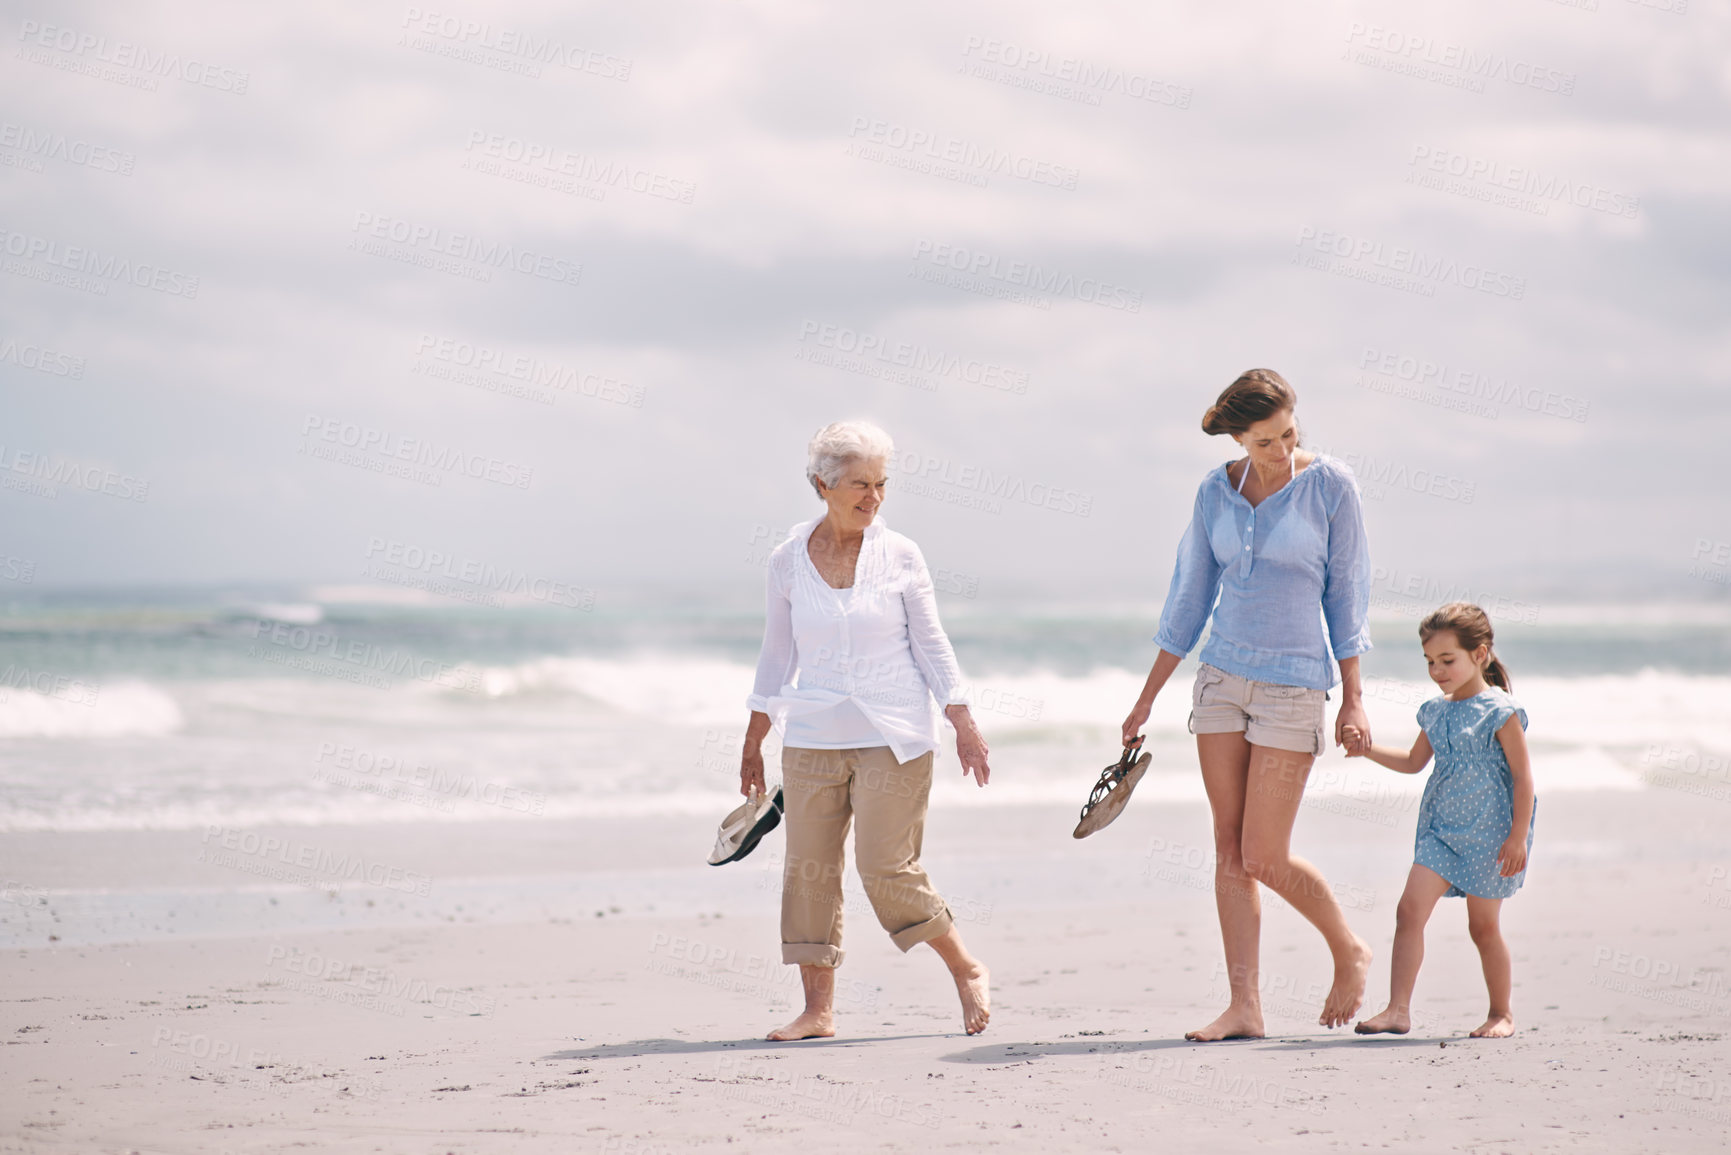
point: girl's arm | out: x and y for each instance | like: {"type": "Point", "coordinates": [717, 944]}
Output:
{"type": "Point", "coordinates": [1411, 762]}
{"type": "Point", "coordinates": [1512, 858]}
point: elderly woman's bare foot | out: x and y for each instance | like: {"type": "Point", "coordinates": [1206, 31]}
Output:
{"type": "Point", "coordinates": [1347, 994]}
{"type": "Point", "coordinates": [810, 1025]}
{"type": "Point", "coordinates": [1390, 1022]}
{"type": "Point", "coordinates": [1499, 1026]}
{"type": "Point", "coordinates": [974, 985]}
{"type": "Point", "coordinates": [1236, 1023]}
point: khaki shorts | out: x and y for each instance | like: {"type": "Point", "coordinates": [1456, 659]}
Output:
{"type": "Point", "coordinates": [1279, 717]}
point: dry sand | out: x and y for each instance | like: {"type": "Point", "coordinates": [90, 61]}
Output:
{"type": "Point", "coordinates": [508, 1017]}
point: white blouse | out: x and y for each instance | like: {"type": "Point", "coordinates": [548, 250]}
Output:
{"type": "Point", "coordinates": [857, 667]}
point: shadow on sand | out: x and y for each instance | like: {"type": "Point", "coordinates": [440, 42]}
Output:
{"type": "Point", "coordinates": [997, 1053]}
{"type": "Point", "coordinates": [642, 1047]}
{"type": "Point", "coordinates": [990, 1053]}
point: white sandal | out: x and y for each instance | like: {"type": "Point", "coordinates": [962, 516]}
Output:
{"type": "Point", "coordinates": [742, 830]}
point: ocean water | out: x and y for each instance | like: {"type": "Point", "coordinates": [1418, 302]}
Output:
{"type": "Point", "coordinates": [192, 710]}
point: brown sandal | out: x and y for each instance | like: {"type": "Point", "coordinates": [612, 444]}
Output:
{"type": "Point", "coordinates": [1112, 793]}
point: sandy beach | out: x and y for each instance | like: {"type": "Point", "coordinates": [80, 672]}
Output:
{"type": "Point", "coordinates": [570, 986]}
{"type": "Point", "coordinates": [438, 438]}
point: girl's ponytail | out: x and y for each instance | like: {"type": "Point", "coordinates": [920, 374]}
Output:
{"type": "Point", "coordinates": [1497, 675]}
{"type": "Point", "coordinates": [1471, 626]}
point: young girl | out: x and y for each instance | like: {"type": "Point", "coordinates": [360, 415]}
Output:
{"type": "Point", "coordinates": [1475, 824]}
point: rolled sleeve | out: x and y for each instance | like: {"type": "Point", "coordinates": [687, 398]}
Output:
{"type": "Point", "coordinates": [1346, 584]}
{"type": "Point", "coordinates": [1195, 585]}
{"type": "Point", "coordinates": [931, 647]}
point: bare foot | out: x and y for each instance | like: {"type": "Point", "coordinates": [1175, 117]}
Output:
{"type": "Point", "coordinates": [1496, 1027]}
{"type": "Point", "coordinates": [1347, 993]}
{"type": "Point", "coordinates": [1390, 1022]}
{"type": "Point", "coordinates": [974, 985]}
{"type": "Point", "coordinates": [1236, 1023]}
{"type": "Point", "coordinates": [810, 1025]}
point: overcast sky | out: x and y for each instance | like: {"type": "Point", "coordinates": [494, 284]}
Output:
{"type": "Point", "coordinates": [1488, 243]}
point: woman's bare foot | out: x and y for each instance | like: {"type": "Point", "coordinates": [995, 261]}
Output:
{"type": "Point", "coordinates": [810, 1025]}
{"type": "Point", "coordinates": [974, 985]}
{"type": "Point", "coordinates": [1498, 1026]}
{"type": "Point", "coordinates": [1236, 1023]}
{"type": "Point", "coordinates": [1347, 993]}
{"type": "Point", "coordinates": [1390, 1022]}
{"type": "Point", "coordinates": [973, 981]}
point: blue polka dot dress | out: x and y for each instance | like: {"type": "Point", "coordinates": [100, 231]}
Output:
{"type": "Point", "coordinates": [1468, 804]}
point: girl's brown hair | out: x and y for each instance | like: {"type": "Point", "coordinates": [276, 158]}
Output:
{"type": "Point", "coordinates": [1256, 396]}
{"type": "Point", "coordinates": [1471, 627]}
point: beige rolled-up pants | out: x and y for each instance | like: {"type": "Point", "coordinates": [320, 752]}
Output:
{"type": "Point", "coordinates": [825, 791]}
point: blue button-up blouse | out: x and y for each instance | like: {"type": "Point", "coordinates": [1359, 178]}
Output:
{"type": "Point", "coordinates": [1287, 581]}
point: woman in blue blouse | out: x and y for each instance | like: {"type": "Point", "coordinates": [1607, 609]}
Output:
{"type": "Point", "coordinates": [1276, 552]}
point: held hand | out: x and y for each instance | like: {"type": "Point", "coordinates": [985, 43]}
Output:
{"type": "Point", "coordinates": [1512, 857]}
{"type": "Point", "coordinates": [971, 748]}
{"type": "Point", "coordinates": [1352, 717]}
{"type": "Point", "coordinates": [751, 771]}
{"type": "Point", "coordinates": [1133, 724]}
{"type": "Point", "coordinates": [1353, 739]}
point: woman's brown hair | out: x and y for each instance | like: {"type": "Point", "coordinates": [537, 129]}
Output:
{"type": "Point", "coordinates": [1471, 627]}
{"type": "Point", "coordinates": [1256, 396]}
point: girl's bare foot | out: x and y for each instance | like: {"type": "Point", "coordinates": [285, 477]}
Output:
{"type": "Point", "coordinates": [1498, 1026]}
{"type": "Point", "coordinates": [1347, 993]}
{"type": "Point", "coordinates": [1390, 1022]}
{"type": "Point", "coordinates": [1236, 1023]}
{"type": "Point", "coordinates": [974, 984]}
{"type": "Point", "coordinates": [810, 1025]}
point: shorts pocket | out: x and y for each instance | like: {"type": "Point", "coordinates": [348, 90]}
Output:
{"type": "Point", "coordinates": [1207, 679]}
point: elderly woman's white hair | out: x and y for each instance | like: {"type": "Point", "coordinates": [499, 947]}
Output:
{"type": "Point", "coordinates": [834, 447]}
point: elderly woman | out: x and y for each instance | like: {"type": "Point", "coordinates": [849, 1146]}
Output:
{"type": "Point", "coordinates": [853, 654]}
{"type": "Point", "coordinates": [1278, 538]}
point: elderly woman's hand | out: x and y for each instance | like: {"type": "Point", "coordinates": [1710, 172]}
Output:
{"type": "Point", "coordinates": [751, 771]}
{"type": "Point", "coordinates": [971, 746]}
{"type": "Point", "coordinates": [751, 755]}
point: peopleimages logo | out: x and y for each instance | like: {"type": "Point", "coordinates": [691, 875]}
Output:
{"type": "Point", "coordinates": [1407, 262]}
{"type": "Point", "coordinates": [433, 569]}
{"type": "Point", "coordinates": [1419, 52]}
{"type": "Point", "coordinates": [1471, 383]}
{"type": "Point", "coordinates": [928, 144]}
{"type": "Point", "coordinates": [916, 357]}
{"type": "Point", "coordinates": [122, 54]}
{"type": "Point", "coordinates": [531, 372]}
{"type": "Point", "coordinates": [43, 145]}
{"type": "Point", "coordinates": [90, 262]}
{"type": "Point", "coordinates": [980, 271]}
{"type": "Point", "coordinates": [42, 360]}
{"type": "Point", "coordinates": [1091, 78]}
{"type": "Point", "coordinates": [440, 242]}
{"type": "Point", "coordinates": [528, 47]}
{"type": "Point", "coordinates": [580, 167]}
{"type": "Point", "coordinates": [53, 471]}
{"type": "Point", "coordinates": [924, 470]}
{"type": "Point", "coordinates": [417, 451]}
{"type": "Point", "coordinates": [1517, 179]}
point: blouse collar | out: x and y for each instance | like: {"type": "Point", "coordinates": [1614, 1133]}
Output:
{"type": "Point", "coordinates": [1226, 481]}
